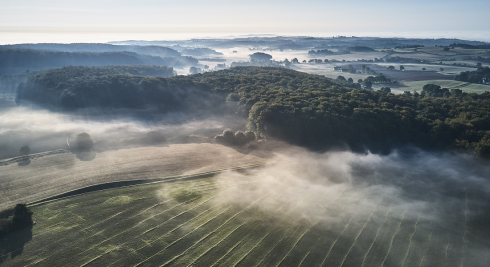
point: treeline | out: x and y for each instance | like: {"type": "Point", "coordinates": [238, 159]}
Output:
{"type": "Point", "coordinates": [325, 52]}
{"type": "Point", "coordinates": [476, 76]}
{"type": "Point", "coordinates": [303, 109]}
{"type": "Point", "coordinates": [405, 60]}
{"type": "Point", "coordinates": [360, 49]}
{"type": "Point", "coordinates": [469, 46]}
{"type": "Point", "coordinates": [18, 60]}
{"type": "Point", "coordinates": [15, 218]}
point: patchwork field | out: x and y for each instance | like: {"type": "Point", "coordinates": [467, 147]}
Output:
{"type": "Point", "coordinates": [206, 222]}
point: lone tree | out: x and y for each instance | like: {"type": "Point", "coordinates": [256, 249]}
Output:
{"type": "Point", "coordinates": [25, 150]}
{"type": "Point", "coordinates": [401, 67]}
{"type": "Point", "coordinates": [83, 142]}
{"type": "Point", "coordinates": [368, 84]}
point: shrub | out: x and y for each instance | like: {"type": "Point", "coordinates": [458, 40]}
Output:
{"type": "Point", "coordinates": [238, 138]}
{"type": "Point", "coordinates": [15, 218]}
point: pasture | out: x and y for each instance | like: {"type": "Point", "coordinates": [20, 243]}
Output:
{"type": "Point", "coordinates": [451, 84]}
{"type": "Point", "coordinates": [48, 175]}
{"type": "Point", "coordinates": [251, 218]}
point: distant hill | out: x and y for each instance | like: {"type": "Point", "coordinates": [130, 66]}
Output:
{"type": "Point", "coordinates": [98, 47]}
{"type": "Point", "coordinates": [19, 60]}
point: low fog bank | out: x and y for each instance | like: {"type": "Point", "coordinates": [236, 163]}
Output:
{"type": "Point", "coordinates": [444, 196]}
{"type": "Point", "coordinates": [44, 130]}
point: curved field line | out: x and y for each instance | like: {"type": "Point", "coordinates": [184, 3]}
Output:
{"type": "Point", "coordinates": [309, 228]}
{"type": "Point", "coordinates": [219, 242]}
{"type": "Point", "coordinates": [447, 245]}
{"type": "Point", "coordinates": [177, 256]}
{"type": "Point", "coordinates": [141, 222]}
{"type": "Point", "coordinates": [427, 250]}
{"type": "Point", "coordinates": [333, 244]}
{"type": "Point", "coordinates": [229, 250]}
{"type": "Point", "coordinates": [430, 240]}
{"type": "Point", "coordinates": [360, 232]}
{"type": "Point", "coordinates": [316, 242]}
{"type": "Point", "coordinates": [215, 245]}
{"type": "Point", "coordinates": [393, 238]}
{"type": "Point", "coordinates": [376, 236]}
{"type": "Point", "coordinates": [410, 242]}
{"type": "Point", "coordinates": [262, 239]}
{"type": "Point", "coordinates": [295, 243]}
{"type": "Point", "coordinates": [158, 238]}
{"type": "Point", "coordinates": [172, 230]}
{"type": "Point", "coordinates": [346, 226]}
{"type": "Point", "coordinates": [465, 241]}
{"type": "Point", "coordinates": [289, 231]}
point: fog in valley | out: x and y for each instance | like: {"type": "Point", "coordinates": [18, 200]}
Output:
{"type": "Point", "coordinates": [44, 130]}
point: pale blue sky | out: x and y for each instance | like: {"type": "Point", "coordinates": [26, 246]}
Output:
{"type": "Point", "coordinates": [219, 17]}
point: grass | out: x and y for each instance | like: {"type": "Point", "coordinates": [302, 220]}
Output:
{"type": "Point", "coordinates": [59, 173]}
{"type": "Point", "coordinates": [451, 84]}
{"type": "Point", "coordinates": [187, 223]}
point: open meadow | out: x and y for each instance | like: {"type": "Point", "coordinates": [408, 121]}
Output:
{"type": "Point", "coordinates": [61, 172]}
{"type": "Point", "coordinates": [262, 217]}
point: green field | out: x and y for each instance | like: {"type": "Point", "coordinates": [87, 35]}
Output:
{"type": "Point", "coordinates": [202, 223]}
{"type": "Point", "coordinates": [451, 84]}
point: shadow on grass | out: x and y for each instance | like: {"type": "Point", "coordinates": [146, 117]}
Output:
{"type": "Point", "coordinates": [12, 245]}
{"type": "Point", "coordinates": [86, 155]}
{"type": "Point", "coordinates": [24, 162]}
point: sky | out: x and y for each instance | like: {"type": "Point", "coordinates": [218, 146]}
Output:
{"type": "Point", "coordinates": [102, 21]}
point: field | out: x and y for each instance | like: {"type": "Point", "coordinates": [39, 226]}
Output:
{"type": "Point", "coordinates": [451, 84]}
{"type": "Point", "coordinates": [200, 223]}
{"type": "Point", "coordinates": [59, 173]}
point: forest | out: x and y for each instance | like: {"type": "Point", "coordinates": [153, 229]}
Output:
{"type": "Point", "coordinates": [303, 109]}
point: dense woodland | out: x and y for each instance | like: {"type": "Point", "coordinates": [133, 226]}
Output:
{"type": "Point", "coordinates": [303, 109]}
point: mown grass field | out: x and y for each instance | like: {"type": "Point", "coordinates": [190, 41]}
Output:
{"type": "Point", "coordinates": [58, 173]}
{"type": "Point", "coordinates": [451, 84]}
{"type": "Point", "coordinates": [204, 222]}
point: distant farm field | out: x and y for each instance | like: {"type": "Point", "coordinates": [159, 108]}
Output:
{"type": "Point", "coordinates": [451, 84]}
{"type": "Point", "coordinates": [230, 220]}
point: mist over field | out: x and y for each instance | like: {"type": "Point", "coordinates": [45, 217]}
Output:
{"type": "Point", "coordinates": [432, 197]}
{"type": "Point", "coordinates": [44, 130]}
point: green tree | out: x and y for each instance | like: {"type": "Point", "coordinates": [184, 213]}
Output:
{"type": "Point", "coordinates": [83, 142]}
{"type": "Point", "coordinates": [441, 69]}
{"type": "Point", "coordinates": [341, 78]}
{"type": "Point", "coordinates": [368, 84]}
{"type": "Point", "coordinates": [401, 67]}
{"type": "Point", "coordinates": [391, 68]}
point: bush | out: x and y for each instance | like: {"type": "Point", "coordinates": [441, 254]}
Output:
{"type": "Point", "coordinates": [238, 138]}
{"type": "Point", "coordinates": [15, 218]}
